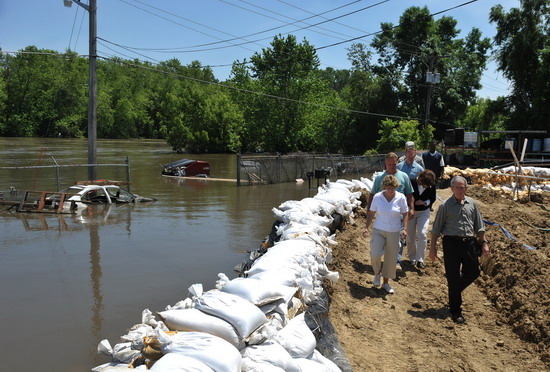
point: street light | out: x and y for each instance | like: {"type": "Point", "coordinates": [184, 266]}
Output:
{"type": "Point", "coordinates": [92, 85]}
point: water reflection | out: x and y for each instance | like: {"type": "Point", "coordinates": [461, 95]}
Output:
{"type": "Point", "coordinates": [91, 215]}
{"type": "Point", "coordinates": [95, 280]}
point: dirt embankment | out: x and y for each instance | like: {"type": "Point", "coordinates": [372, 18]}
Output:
{"type": "Point", "coordinates": [507, 309]}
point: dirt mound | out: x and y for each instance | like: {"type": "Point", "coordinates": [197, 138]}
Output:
{"type": "Point", "coordinates": [507, 309]}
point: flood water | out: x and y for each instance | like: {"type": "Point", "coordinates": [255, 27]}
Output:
{"type": "Point", "coordinates": [69, 281]}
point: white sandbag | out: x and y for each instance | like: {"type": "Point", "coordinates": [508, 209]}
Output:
{"type": "Point", "coordinates": [213, 351]}
{"type": "Point", "coordinates": [250, 366]}
{"type": "Point", "coordinates": [349, 184]}
{"type": "Point", "coordinates": [276, 275]}
{"type": "Point", "coordinates": [269, 353]}
{"type": "Point", "coordinates": [240, 313]}
{"type": "Point", "coordinates": [308, 365]}
{"type": "Point", "coordinates": [111, 367]}
{"type": "Point", "coordinates": [367, 182]}
{"type": "Point", "coordinates": [320, 358]}
{"type": "Point", "coordinates": [259, 292]}
{"type": "Point", "coordinates": [297, 338]}
{"type": "Point", "coordinates": [293, 228]}
{"type": "Point", "coordinates": [174, 362]}
{"type": "Point", "coordinates": [123, 353]}
{"type": "Point", "coordinates": [198, 321]}
{"type": "Point", "coordinates": [138, 332]}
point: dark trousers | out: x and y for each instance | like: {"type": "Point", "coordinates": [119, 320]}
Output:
{"type": "Point", "coordinates": [461, 269]}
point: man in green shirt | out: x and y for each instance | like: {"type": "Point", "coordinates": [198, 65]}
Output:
{"type": "Point", "coordinates": [458, 219]}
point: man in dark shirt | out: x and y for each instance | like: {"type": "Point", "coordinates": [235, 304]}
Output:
{"type": "Point", "coordinates": [433, 160]}
{"type": "Point", "coordinates": [458, 219]}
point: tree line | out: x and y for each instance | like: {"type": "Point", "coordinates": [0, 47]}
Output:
{"type": "Point", "coordinates": [280, 100]}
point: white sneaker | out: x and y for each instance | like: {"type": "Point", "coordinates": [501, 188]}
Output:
{"type": "Point", "coordinates": [377, 278]}
{"type": "Point", "coordinates": [387, 288]}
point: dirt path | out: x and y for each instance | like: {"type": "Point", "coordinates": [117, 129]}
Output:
{"type": "Point", "coordinates": [411, 330]}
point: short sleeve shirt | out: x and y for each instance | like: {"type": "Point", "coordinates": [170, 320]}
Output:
{"type": "Point", "coordinates": [388, 213]}
{"type": "Point", "coordinates": [411, 170]}
{"type": "Point", "coordinates": [458, 219]}
{"type": "Point", "coordinates": [405, 186]}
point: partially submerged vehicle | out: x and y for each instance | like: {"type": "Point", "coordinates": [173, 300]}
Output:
{"type": "Point", "coordinates": [187, 168]}
{"type": "Point", "coordinates": [104, 194]}
{"type": "Point", "coordinates": [77, 197]}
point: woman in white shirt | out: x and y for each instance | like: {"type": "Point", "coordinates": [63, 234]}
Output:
{"type": "Point", "coordinates": [388, 205]}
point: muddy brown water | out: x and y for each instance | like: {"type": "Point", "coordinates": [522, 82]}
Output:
{"type": "Point", "coordinates": [69, 281]}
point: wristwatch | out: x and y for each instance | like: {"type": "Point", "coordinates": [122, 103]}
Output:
{"type": "Point", "coordinates": [484, 242]}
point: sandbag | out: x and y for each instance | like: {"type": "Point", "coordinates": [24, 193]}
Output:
{"type": "Point", "coordinates": [308, 365]}
{"type": "Point", "coordinates": [211, 350]}
{"type": "Point", "coordinates": [320, 358]}
{"type": "Point", "coordinates": [297, 338]}
{"type": "Point", "coordinates": [240, 313]}
{"type": "Point", "coordinates": [259, 292]}
{"type": "Point", "coordinates": [174, 362]}
{"type": "Point", "coordinates": [198, 321]}
{"type": "Point", "coordinates": [270, 353]}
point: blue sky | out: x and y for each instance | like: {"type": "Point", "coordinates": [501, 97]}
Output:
{"type": "Point", "coordinates": [219, 32]}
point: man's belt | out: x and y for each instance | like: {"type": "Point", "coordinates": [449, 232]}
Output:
{"type": "Point", "coordinates": [459, 238]}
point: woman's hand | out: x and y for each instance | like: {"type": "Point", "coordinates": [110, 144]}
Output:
{"type": "Point", "coordinates": [419, 202]}
{"type": "Point", "coordinates": [366, 232]}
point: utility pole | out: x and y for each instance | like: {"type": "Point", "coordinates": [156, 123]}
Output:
{"type": "Point", "coordinates": [431, 78]}
{"type": "Point", "coordinates": [92, 85]}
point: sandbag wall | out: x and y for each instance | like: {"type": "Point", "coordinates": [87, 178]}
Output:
{"type": "Point", "coordinates": [271, 318]}
{"type": "Point", "coordinates": [504, 180]}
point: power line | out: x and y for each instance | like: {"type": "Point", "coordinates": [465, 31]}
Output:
{"type": "Point", "coordinates": [178, 50]}
{"type": "Point", "coordinates": [394, 27]}
{"type": "Point", "coordinates": [227, 86]}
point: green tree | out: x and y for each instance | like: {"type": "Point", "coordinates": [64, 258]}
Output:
{"type": "Point", "coordinates": [485, 114]}
{"type": "Point", "coordinates": [369, 95]}
{"type": "Point", "coordinates": [420, 44]}
{"type": "Point", "coordinates": [393, 134]}
{"type": "Point", "coordinates": [523, 55]}
{"type": "Point", "coordinates": [283, 71]}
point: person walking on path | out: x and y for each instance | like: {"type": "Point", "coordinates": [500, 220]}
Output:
{"type": "Point", "coordinates": [433, 160]}
{"type": "Point", "coordinates": [417, 158]}
{"type": "Point", "coordinates": [389, 205]}
{"type": "Point", "coordinates": [405, 187]}
{"type": "Point", "coordinates": [458, 219]}
{"type": "Point", "coordinates": [417, 232]}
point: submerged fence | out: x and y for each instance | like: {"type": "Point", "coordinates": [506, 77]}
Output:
{"type": "Point", "coordinates": [14, 181]}
{"type": "Point", "coordinates": [267, 169]}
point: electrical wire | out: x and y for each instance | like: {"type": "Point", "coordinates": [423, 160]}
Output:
{"type": "Point", "coordinates": [178, 49]}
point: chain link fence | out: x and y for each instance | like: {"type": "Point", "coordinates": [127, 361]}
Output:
{"type": "Point", "coordinates": [268, 169]}
{"type": "Point", "coordinates": [14, 181]}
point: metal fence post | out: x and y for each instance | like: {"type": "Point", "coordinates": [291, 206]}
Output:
{"type": "Point", "coordinates": [128, 173]}
{"type": "Point", "coordinates": [238, 169]}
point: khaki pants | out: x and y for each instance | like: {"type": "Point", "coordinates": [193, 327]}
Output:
{"type": "Point", "coordinates": [384, 243]}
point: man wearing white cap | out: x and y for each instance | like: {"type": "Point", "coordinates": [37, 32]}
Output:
{"type": "Point", "coordinates": [417, 158]}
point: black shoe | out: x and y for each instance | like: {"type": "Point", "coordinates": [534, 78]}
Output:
{"type": "Point", "coordinates": [420, 265]}
{"type": "Point", "coordinates": [459, 319]}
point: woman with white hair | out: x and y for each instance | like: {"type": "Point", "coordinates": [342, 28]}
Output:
{"type": "Point", "coordinates": [389, 205]}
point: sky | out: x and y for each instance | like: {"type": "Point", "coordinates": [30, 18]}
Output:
{"type": "Point", "coordinates": [220, 32]}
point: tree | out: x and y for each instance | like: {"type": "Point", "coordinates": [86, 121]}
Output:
{"type": "Point", "coordinates": [523, 55]}
{"type": "Point", "coordinates": [420, 44]}
{"type": "Point", "coordinates": [485, 114]}
{"type": "Point", "coordinates": [393, 134]}
{"type": "Point", "coordinates": [282, 71]}
{"type": "Point", "coordinates": [370, 96]}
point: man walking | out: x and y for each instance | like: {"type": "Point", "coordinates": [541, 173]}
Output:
{"type": "Point", "coordinates": [458, 219]}
{"type": "Point", "coordinates": [433, 160]}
